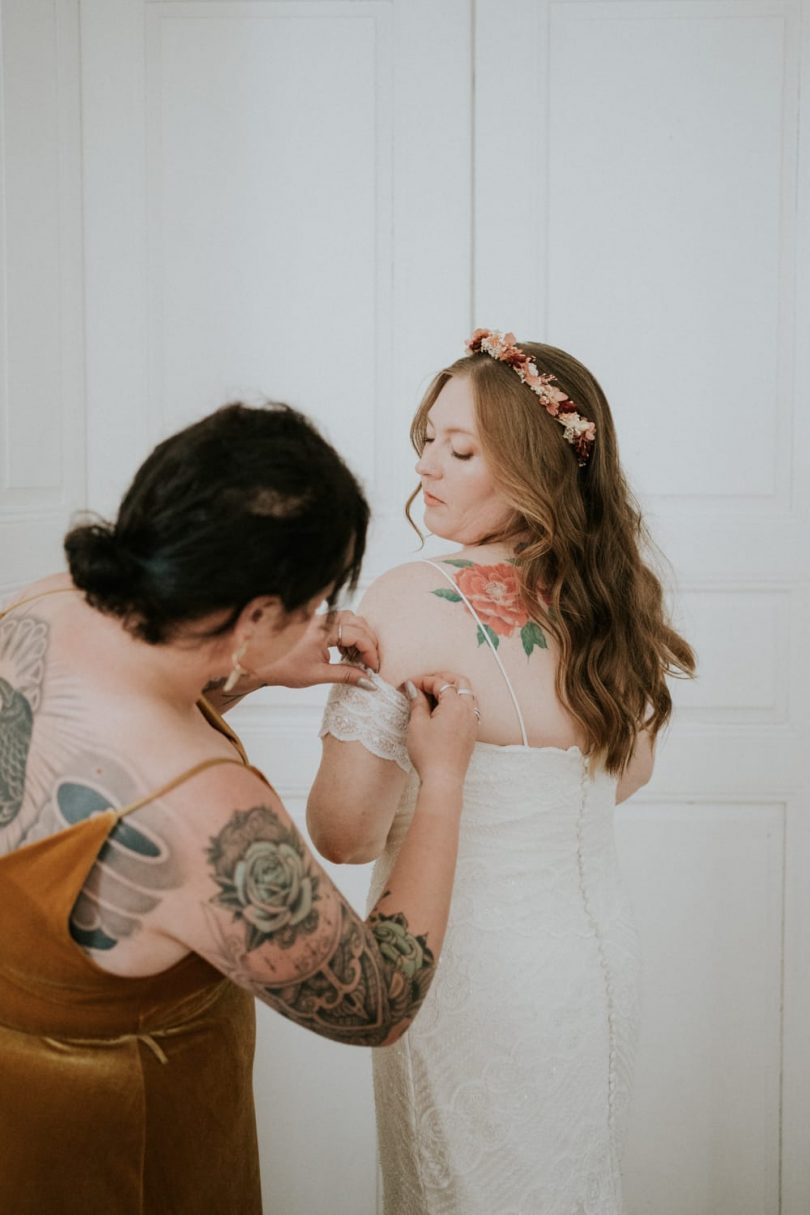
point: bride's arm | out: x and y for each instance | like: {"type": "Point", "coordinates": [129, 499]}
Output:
{"type": "Point", "coordinates": [365, 764]}
{"type": "Point", "coordinates": [639, 769]}
{"type": "Point", "coordinates": [352, 802]}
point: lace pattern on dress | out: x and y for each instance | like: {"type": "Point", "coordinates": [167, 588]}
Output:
{"type": "Point", "coordinates": [379, 720]}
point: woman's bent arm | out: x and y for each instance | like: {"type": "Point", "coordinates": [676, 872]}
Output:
{"type": "Point", "coordinates": [260, 909]}
{"type": "Point", "coordinates": [278, 926]}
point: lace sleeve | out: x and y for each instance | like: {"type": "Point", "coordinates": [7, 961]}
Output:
{"type": "Point", "coordinates": [379, 720]}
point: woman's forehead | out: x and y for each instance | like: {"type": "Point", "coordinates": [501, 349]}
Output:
{"type": "Point", "coordinates": [454, 407]}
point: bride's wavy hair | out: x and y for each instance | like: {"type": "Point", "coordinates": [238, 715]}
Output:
{"type": "Point", "coordinates": [579, 535]}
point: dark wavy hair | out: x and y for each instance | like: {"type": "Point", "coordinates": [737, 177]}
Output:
{"type": "Point", "coordinates": [581, 542]}
{"type": "Point", "coordinates": [247, 502]}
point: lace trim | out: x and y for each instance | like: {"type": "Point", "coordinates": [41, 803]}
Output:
{"type": "Point", "coordinates": [378, 720]}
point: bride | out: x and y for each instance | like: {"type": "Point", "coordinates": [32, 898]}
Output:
{"type": "Point", "coordinates": [509, 1095]}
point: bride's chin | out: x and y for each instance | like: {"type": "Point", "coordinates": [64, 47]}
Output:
{"type": "Point", "coordinates": [444, 533]}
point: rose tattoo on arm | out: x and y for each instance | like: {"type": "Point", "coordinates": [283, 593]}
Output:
{"type": "Point", "coordinates": [263, 872]}
{"type": "Point", "coordinates": [358, 982]}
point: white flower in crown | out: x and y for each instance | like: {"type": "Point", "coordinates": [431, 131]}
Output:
{"type": "Point", "coordinates": [575, 425]}
{"type": "Point", "coordinates": [493, 345]}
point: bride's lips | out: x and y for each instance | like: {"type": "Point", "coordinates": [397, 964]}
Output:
{"type": "Point", "coordinates": [431, 499]}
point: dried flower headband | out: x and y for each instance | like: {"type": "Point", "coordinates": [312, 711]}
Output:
{"type": "Point", "coordinates": [579, 432]}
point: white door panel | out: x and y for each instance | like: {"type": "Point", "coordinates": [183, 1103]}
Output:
{"type": "Point", "coordinates": [41, 344]}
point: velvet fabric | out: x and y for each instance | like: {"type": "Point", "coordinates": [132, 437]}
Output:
{"type": "Point", "coordinates": [118, 1096]}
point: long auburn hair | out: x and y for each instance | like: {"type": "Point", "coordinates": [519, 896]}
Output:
{"type": "Point", "coordinates": [580, 539]}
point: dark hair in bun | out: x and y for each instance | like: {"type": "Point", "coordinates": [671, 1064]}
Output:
{"type": "Point", "coordinates": [247, 502]}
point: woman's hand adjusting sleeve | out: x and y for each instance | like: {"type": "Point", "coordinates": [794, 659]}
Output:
{"type": "Point", "coordinates": [443, 726]}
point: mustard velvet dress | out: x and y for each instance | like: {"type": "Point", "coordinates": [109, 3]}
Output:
{"type": "Point", "coordinates": [118, 1096]}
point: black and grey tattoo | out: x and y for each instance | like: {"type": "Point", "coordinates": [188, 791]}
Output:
{"type": "Point", "coordinates": [265, 878]}
{"type": "Point", "coordinates": [349, 980]}
{"type": "Point", "coordinates": [23, 645]}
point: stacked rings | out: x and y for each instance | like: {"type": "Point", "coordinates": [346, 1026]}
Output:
{"type": "Point", "coordinates": [460, 692]}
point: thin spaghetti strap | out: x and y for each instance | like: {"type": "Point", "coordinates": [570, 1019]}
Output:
{"type": "Point", "coordinates": [176, 781]}
{"type": "Point", "coordinates": [488, 640]}
{"type": "Point", "coordinates": [57, 590]}
{"type": "Point", "coordinates": [219, 723]}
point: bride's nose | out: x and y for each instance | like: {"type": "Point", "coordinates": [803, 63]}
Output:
{"type": "Point", "coordinates": [425, 467]}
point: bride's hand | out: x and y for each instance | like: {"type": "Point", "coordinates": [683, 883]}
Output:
{"type": "Point", "coordinates": [308, 663]}
{"type": "Point", "coordinates": [443, 726]}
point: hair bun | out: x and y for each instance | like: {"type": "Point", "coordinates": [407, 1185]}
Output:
{"type": "Point", "coordinates": [101, 566]}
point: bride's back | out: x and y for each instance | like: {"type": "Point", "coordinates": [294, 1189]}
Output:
{"type": "Point", "coordinates": [463, 612]}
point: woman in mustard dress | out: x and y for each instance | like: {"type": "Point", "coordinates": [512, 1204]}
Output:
{"type": "Point", "coordinates": [151, 883]}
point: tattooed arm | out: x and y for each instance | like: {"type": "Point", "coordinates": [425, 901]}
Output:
{"type": "Point", "coordinates": [261, 910]}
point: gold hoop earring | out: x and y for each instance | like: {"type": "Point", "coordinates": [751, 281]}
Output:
{"type": "Point", "coordinates": [237, 670]}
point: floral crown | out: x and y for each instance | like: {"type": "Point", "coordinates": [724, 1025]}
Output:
{"type": "Point", "coordinates": [579, 432]}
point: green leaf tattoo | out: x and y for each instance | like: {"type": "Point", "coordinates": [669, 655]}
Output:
{"type": "Point", "coordinates": [493, 636]}
{"type": "Point", "coordinates": [444, 592]}
{"type": "Point", "coordinates": [532, 635]}
{"type": "Point", "coordinates": [459, 562]}
{"type": "Point", "coordinates": [404, 951]}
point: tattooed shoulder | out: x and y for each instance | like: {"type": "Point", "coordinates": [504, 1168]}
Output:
{"type": "Point", "coordinates": [494, 593]}
{"type": "Point", "coordinates": [23, 648]}
{"type": "Point", "coordinates": [136, 866]}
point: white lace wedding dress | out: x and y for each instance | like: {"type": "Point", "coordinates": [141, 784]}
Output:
{"type": "Point", "coordinates": [509, 1093]}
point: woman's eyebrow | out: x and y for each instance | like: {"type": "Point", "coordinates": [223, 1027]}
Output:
{"type": "Point", "coordinates": [452, 430]}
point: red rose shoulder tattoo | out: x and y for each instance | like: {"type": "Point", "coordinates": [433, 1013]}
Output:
{"type": "Point", "coordinates": [494, 592]}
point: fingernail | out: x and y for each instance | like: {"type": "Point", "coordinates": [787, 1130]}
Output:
{"type": "Point", "coordinates": [410, 689]}
{"type": "Point", "coordinates": [367, 684]}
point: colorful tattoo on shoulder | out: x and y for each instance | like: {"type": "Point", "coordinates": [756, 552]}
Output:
{"type": "Point", "coordinates": [494, 592]}
{"type": "Point", "coordinates": [347, 979]}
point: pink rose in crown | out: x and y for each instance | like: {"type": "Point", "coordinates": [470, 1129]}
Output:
{"type": "Point", "coordinates": [514, 357]}
{"type": "Point", "coordinates": [494, 592]}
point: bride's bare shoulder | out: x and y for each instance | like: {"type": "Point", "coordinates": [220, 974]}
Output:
{"type": "Point", "coordinates": [408, 609]}
{"type": "Point", "coordinates": [406, 587]}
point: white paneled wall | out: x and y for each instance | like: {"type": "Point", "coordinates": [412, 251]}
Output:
{"type": "Point", "coordinates": [707, 880]}
{"type": "Point", "coordinates": [659, 155]}
{"type": "Point", "coordinates": [315, 200]}
{"type": "Point", "coordinates": [41, 344]}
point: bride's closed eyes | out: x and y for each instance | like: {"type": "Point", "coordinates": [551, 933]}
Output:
{"type": "Point", "coordinates": [459, 455]}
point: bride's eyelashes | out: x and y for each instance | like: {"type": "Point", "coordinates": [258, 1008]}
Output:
{"type": "Point", "coordinates": [459, 455]}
